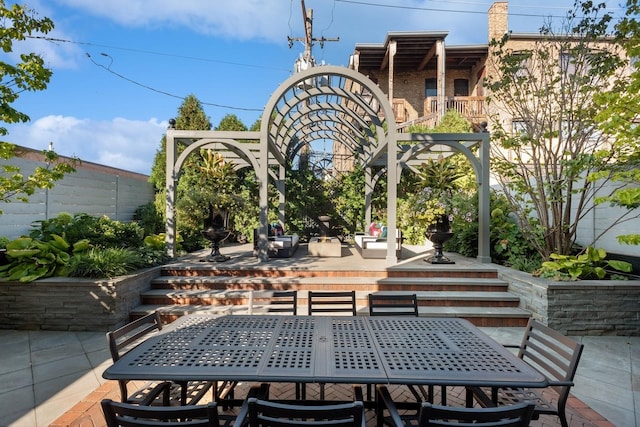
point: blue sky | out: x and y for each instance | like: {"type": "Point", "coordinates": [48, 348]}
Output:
{"type": "Point", "coordinates": [121, 67]}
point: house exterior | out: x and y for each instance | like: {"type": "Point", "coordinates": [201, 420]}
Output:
{"type": "Point", "coordinates": [424, 77]}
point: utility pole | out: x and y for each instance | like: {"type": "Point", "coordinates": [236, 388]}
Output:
{"type": "Point", "coordinates": [308, 39]}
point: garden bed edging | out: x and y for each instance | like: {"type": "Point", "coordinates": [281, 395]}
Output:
{"type": "Point", "coordinates": [72, 304]}
{"type": "Point", "coordinates": [585, 307]}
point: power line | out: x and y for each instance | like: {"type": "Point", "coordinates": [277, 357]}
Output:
{"type": "Point", "coordinates": [108, 69]}
{"type": "Point", "coordinates": [432, 9]}
{"type": "Point", "coordinates": [149, 52]}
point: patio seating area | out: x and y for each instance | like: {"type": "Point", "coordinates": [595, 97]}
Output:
{"type": "Point", "coordinates": [55, 379]}
{"type": "Point", "coordinates": [58, 379]}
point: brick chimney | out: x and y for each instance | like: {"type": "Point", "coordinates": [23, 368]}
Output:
{"type": "Point", "coordinates": [497, 15]}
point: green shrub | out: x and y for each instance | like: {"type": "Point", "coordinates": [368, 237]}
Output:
{"type": "Point", "coordinates": [106, 262]}
{"type": "Point", "coordinates": [31, 259]}
{"type": "Point", "coordinates": [148, 217]}
{"type": "Point", "coordinates": [100, 231]}
{"type": "Point", "coordinates": [592, 264]}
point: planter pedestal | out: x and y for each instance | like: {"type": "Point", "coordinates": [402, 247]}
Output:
{"type": "Point", "coordinates": [439, 233]}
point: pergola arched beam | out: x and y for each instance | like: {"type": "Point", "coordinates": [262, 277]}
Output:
{"type": "Point", "coordinates": [298, 102]}
{"type": "Point", "coordinates": [288, 101]}
{"type": "Point", "coordinates": [227, 139]}
{"type": "Point", "coordinates": [302, 130]}
{"type": "Point", "coordinates": [343, 126]}
{"type": "Point", "coordinates": [428, 143]}
{"type": "Point", "coordinates": [316, 113]}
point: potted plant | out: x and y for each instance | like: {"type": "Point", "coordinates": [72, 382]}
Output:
{"type": "Point", "coordinates": [431, 207]}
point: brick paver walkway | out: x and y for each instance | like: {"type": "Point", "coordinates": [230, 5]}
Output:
{"type": "Point", "coordinates": [87, 413]}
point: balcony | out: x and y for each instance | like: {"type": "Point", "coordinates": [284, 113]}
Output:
{"type": "Point", "coordinates": [473, 108]}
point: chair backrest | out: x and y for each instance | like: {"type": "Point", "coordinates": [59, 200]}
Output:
{"type": "Point", "coordinates": [504, 416]}
{"type": "Point", "coordinates": [332, 302]}
{"type": "Point", "coordinates": [279, 302]}
{"type": "Point", "coordinates": [263, 413]}
{"type": "Point", "coordinates": [393, 305]}
{"type": "Point", "coordinates": [128, 336]}
{"type": "Point", "coordinates": [552, 354]}
{"type": "Point", "coordinates": [118, 414]}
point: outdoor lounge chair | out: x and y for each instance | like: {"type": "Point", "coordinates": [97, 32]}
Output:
{"type": "Point", "coordinates": [553, 355]}
{"type": "Point", "coordinates": [429, 415]}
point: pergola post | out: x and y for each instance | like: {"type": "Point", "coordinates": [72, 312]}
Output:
{"type": "Point", "coordinates": [484, 200]}
{"type": "Point", "coordinates": [170, 193]}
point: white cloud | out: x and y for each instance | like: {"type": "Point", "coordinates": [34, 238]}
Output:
{"type": "Point", "coordinates": [126, 144]}
{"type": "Point", "coordinates": [241, 19]}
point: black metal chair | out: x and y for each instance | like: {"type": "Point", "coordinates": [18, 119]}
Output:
{"type": "Point", "coordinates": [387, 304]}
{"type": "Point", "coordinates": [264, 413]}
{"type": "Point", "coordinates": [277, 302]}
{"type": "Point", "coordinates": [118, 414]}
{"type": "Point", "coordinates": [429, 415]}
{"type": "Point", "coordinates": [121, 340]}
{"type": "Point", "coordinates": [332, 302]}
{"type": "Point", "coordinates": [550, 353]}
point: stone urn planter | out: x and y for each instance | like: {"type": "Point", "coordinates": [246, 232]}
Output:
{"type": "Point", "coordinates": [439, 233]}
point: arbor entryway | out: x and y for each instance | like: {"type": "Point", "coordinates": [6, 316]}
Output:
{"type": "Point", "coordinates": [343, 106]}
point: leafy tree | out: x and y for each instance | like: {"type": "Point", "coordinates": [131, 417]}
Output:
{"type": "Point", "coordinates": [29, 74]}
{"type": "Point", "coordinates": [190, 116]}
{"type": "Point", "coordinates": [548, 89]}
{"type": "Point", "coordinates": [618, 109]}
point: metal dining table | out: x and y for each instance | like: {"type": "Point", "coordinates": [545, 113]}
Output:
{"type": "Point", "coordinates": [325, 349]}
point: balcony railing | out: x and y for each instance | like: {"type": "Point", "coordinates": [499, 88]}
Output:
{"type": "Point", "coordinates": [471, 107]}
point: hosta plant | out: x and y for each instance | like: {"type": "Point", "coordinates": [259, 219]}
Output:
{"type": "Point", "coordinates": [30, 259]}
{"type": "Point", "coordinates": [591, 264]}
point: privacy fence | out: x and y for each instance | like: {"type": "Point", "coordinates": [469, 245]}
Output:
{"type": "Point", "coordinates": [94, 189]}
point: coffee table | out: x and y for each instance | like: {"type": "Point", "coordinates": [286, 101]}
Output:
{"type": "Point", "coordinates": [325, 247]}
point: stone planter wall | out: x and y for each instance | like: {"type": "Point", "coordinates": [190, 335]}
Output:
{"type": "Point", "coordinates": [587, 307]}
{"type": "Point", "coordinates": [72, 304]}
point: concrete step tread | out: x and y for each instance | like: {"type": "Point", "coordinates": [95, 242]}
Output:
{"type": "Point", "coordinates": [231, 280]}
{"type": "Point", "coordinates": [180, 310]}
{"type": "Point", "coordinates": [473, 312]}
{"type": "Point", "coordinates": [239, 293]}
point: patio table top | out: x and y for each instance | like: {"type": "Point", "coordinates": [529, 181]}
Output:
{"type": "Point", "coordinates": [340, 349]}
{"type": "Point", "coordinates": [320, 349]}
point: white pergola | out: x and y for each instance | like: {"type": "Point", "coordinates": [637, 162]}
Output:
{"type": "Point", "coordinates": [343, 106]}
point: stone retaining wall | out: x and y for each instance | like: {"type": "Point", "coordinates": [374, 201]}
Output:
{"type": "Point", "coordinates": [587, 307]}
{"type": "Point", "coordinates": [72, 304]}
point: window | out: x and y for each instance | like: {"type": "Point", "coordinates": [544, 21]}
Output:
{"type": "Point", "coordinates": [461, 87]}
{"type": "Point", "coordinates": [518, 127]}
{"type": "Point", "coordinates": [431, 87]}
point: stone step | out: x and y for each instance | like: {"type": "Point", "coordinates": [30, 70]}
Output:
{"type": "Point", "coordinates": [241, 297]}
{"type": "Point", "coordinates": [333, 283]}
{"type": "Point", "coordinates": [479, 316]}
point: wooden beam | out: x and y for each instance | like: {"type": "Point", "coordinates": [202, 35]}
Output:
{"type": "Point", "coordinates": [427, 57]}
